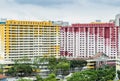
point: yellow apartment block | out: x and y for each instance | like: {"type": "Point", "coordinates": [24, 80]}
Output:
{"type": "Point", "coordinates": [30, 39]}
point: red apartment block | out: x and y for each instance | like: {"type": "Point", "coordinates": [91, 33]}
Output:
{"type": "Point", "coordinates": [86, 40]}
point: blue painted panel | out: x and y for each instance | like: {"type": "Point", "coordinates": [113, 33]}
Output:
{"type": "Point", "coordinates": [2, 22]}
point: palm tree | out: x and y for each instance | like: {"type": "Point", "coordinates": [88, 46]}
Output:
{"type": "Point", "coordinates": [37, 63]}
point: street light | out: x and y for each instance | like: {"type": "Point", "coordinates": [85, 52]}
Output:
{"type": "Point", "coordinates": [116, 74]}
{"type": "Point", "coordinates": [116, 77]}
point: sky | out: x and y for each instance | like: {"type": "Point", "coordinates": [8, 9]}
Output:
{"type": "Point", "coordinates": [73, 11]}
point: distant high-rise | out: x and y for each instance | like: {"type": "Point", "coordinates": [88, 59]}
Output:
{"type": "Point", "coordinates": [117, 23]}
{"type": "Point", "coordinates": [117, 20]}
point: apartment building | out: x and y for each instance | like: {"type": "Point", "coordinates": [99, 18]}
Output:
{"type": "Point", "coordinates": [30, 39]}
{"type": "Point", "coordinates": [86, 40]}
{"type": "Point", "coordinates": [117, 23]}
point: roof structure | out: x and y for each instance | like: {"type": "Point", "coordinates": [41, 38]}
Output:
{"type": "Point", "coordinates": [2, 76]}
{"type": "Point", "coordinates": [99, 57]}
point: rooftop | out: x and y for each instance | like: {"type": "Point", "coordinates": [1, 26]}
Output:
{"type": "Point", "coordinates": [2, 76]}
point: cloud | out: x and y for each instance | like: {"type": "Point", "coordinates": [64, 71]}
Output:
{"type": "Point", "coordinates": [106, 2]}
{"type": "Point", "coordinates": [53, 3]}
{"type": "Point", "coordinates": [73, 11]}
{"type": "Point", "coordinates": [45, 3]}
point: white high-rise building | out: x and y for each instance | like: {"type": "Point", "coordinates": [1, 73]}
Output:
{"type": "Point", "coordinates": [117, 20]}
{"type": "Point", "coordinates": [86, 40]}
{"type": "Point", "coordinates": [30, 39]}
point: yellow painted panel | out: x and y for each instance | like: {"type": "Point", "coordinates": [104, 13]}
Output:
{"type": "Point", "coordinates": [90, 63]}
{"type": "Point", "coordinates": [1, 58]}
{"type": "Point", "coordinates": [90, 67]}
{"type": "Point", "coordinates": [2, 34]}
{"type": "Point", "coordinates": [57, 49]}
{"type": "Point", "coordinates": [57, 28]}
{"type": "Point", "coordinates": [97, 22]}
{"type": "Point", "coordinates": [5, 70]}
{"type": "Point", "coordinates": [16, 22]}
{"type": "Point", "coordinates": [46, 55]}
{"type": "Point", "coordinates": [7, 39]}
{"type": "Point", "coordinates": [57, 46]}
{"type": "Point", "coordinates": [38, 70]}
{"type": "Point", "coordinates": [8, 67]}
{"type": "Point", "coordinates": [14, 35]}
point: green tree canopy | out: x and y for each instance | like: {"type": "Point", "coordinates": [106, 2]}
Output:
{"type": "Point", "coordinates": [77, 63]}
{"type": "Point", "coordinates": [51, 77]}
{"type": "Point", "coordinates": [63, 65]}
{"type": "Point", "coordinates": [22, 69]}
{"type": "Point", "coordinates": [52, 63]}
{"type": "Point", "coordinates": [94, 75]}
{"type": "Point", "coordinates": [24, 80]}
{"type": "Point", "coordinates": [88, 75]}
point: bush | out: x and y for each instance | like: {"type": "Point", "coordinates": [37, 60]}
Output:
{"type": "Point", "coordinates": [24, 79]}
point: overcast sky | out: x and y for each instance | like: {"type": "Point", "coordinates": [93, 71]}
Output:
{"type": "Point", "coordinates": [76, 11]}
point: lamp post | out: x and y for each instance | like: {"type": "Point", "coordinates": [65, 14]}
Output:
{"type": "Point", "coordinates": [116, 77]}
{"type": "Point", "coordinates": [116, 74]}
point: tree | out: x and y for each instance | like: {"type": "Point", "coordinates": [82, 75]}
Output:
{"type": "Point", "coordinates": [37, 63]}
{"type": "Point", "coordinates": [1, 68]}
{"type": "Point", "coordinates": [21, 67]}
{"type": "Point", "coordinates": [39, 78]}
{"type": "Point", "coordinates": [88, 75]}
{"type": "Point", "coordinates": [13, 70]}
{"type": "Point", "coordinates": [58, 65]}
{"type": "Point", "coordinates": [62, 59]}
{"type": "Point", "coordinates": [118, 74]}
{"type": "Point", "coordinates": [105, 74]}
{"type": "Point", "coordinates": [64, 67]}
{"type": "Point", "coordinates": [52, 63]}
{"type": "Point", "coordinates": [24, 69]}
{"type": "Point", "coordinates": [77, 63]}
{"type": "Point", "coordinates": [51, 77]}
{"type": "Point", "coordinates": [24, 80]}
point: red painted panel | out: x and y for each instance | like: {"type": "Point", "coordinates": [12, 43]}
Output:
{"type": "Point", "coordinates": [117, 37]}
{"type": "Point", "coordinates": [94, 25]}
{"type": "Point", "coordinates": [101, 32]}
{"type": "Point", "coordinates": [76, 29]}
{"type": "Point", "coordinates": [81, 29]}
{"type": "Point", "coordinates": [91, 30]}
{"type": "Point", "coordinates": [66, 29]}
{"type": "Point", "coordinates": [112, 34]}
{"type": "Point", "coordinates": [70, 29]}
{"type": "Point", "coordinates": [107, 32]}
{"type": "Point", "coordinates": [96, 31]}
{"type": "Point", "coordinates": [65, 53]}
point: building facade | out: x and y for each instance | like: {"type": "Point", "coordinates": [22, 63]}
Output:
{"type": "Point", "coordinates": [86, 40]}
{"type": "Point", "coordinates": [117, 23]}
{"type": "Point", "coordinates": [30, 39]}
